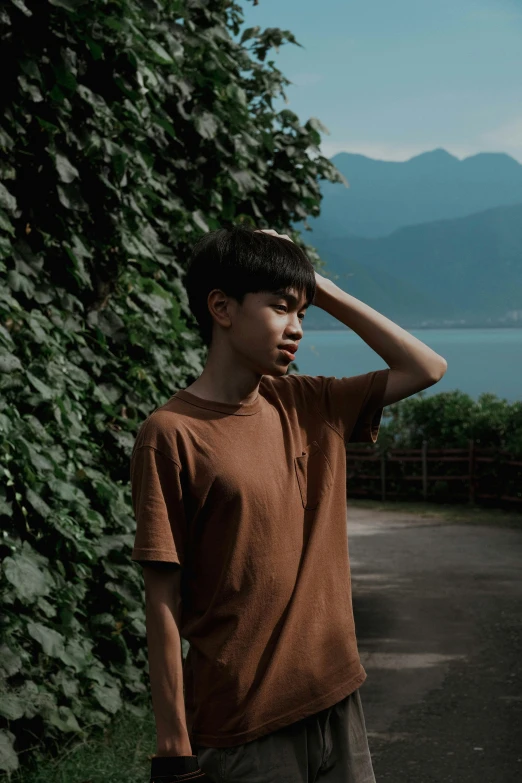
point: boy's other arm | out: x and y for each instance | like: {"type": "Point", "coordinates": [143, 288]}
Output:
{"type": "Point", "coordinates": [162, 611]}
{"type": "Point", "coordinates": [414, 366]}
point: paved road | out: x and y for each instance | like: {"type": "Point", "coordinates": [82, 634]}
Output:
{"type": "Point", "coordinates": [438, 612]}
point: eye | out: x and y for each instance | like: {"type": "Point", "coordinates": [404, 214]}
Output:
{"type": "Point", "coordinates": [283, 307]}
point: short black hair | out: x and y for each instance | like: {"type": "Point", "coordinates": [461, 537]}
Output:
{"type": "Point", "coordinates": [239, 261]}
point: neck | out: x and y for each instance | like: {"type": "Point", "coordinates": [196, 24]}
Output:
{"type": "Point", "coordinates": [223, 381]}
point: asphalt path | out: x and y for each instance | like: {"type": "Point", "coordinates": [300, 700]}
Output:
{"type": "Point", "coordinates": [438, 613]}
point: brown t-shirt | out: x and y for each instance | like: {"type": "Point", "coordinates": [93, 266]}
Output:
{"type": "Point", "coordinates": [250, 500]}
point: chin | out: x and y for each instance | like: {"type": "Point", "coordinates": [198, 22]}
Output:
{"type": "Point", "coordinates": [284, 368]}
{"type": "Point", "coordinates": [276, 371]}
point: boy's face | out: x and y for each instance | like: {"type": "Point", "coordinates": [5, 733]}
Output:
{"type": "Point", "coordinates": [264, 323]}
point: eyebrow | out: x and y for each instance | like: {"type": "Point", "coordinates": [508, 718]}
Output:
{"type": "Point", "coordinates": [290, 298]}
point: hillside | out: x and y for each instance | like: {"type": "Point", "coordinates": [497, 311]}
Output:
{"type": "Point", "coordinates": [466, 271]}
{"type": "Point", "coordinates": [385, 195]}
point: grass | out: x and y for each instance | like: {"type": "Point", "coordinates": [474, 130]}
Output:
{"type": "Point", "coordinates": [120, 754]}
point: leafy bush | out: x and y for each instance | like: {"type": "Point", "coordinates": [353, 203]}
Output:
{"type": "Point", "coordinates": [451, 419]}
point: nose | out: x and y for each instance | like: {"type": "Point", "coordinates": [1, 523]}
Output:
{"type": "Point", "coordinates": [295, 335]}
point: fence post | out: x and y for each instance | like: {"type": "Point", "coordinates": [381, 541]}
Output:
{"type": "Point", "coordinates": [425, 469]}
{"type": "Point", "coordinates": [383, 475]}
{"type": "Point", "coordinates": [471, 443]}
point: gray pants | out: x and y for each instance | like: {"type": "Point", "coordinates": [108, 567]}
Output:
{"type": "Point", "coordinates": [330, 746]}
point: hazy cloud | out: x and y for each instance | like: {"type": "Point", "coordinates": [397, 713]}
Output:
{"type": "Point", "coordinates": [402, 152]}
{"type": "Point", "coordinates": [489, 15]}
{"type": "Point", "coordinates": [384, 150]}
{"type": "Point", "coordinates": [509, 135]}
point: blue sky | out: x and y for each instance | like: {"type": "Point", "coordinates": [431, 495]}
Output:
{"type": "Point", "coordinates": [392, 79]}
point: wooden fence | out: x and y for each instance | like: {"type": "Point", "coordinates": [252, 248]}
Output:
{"type": "Point", "coordinates": [484, 476]}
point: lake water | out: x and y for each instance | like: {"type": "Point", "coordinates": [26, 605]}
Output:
{"type": "Point", "coordinates": [479, 360]}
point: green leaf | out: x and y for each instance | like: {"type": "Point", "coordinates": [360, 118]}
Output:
{"type": "Point", "coordinates": [166, 125]}
{"type": "Point", "coordinates": [31, 89]}
{"type": "Point", "coordinates": [7, 201]}
{"type": "Point", "coordinates": [114, 23]}
{"type": "Point", "coordinates": [64, 719]}
{"type": "Point", "coordinates": [5, 247]}
{"type": "Point", "coordinates": [10, 662]}
{"type": "Point", "coordinates": [52, 642]}
{"type": "Point", "coordinates": [25, 10]}
{"type": "Point", "coordinates": [317, 125]}
{"type": "Point", "coordinates": [206, 125]}
{"type": "Point", "coordinates": [37, 502]}
{"type": "Point", "coordinates": [68, 684]}
{"type": "Point", "coordinates": [44, 704]}
{"type": "Point", "coordinates": [79, 271]}
{"type": "Point", "coordinates": [34, 323]}
{"type": "Point", "coordinates": [95, 49]}
{"type": "Point", "coordinates": [65, 490]}
{"type": "Point", "coordinates": [46, 392]}
{"type": "Point", "coordinates": [8, 756]}
{"type": "Point", "coordinates": [5, 140]}
{"type": "Point", "coordinates": [11, 707]}
{"type": "Point", "coordinates": [31, 69]}
{"type": "Point", "coordinates": [64, 77]}
{"type": "Point", "coordinates": [29, 694]}
{"type": "Point", "coordinates": [97, 673]}
{"type": "Point", "coordinates": [71, 198]}
{"type": "Point", "coordinates": [56, 94]}
{"type": "Point", "coordinates": [25, 570]}
{"type": "Point", "coordinates": [9, 362]}
{"type": "Point", "coordinates": [20, 282]}
{"type": "Point", "coordinates": [140, 627]}
{"type": "Point", "coordinates": [160, 52]}
{"type": "Point", "coordinates": [46, 125]}
{"type": "Point", "coordinates": [69, 5]}
{"type": "Point", "coordinates": [5, 223]}
{"type": "Point", "coordinates": [66, 171]}
{"type": "Point", "coordinates": [109, 697]}
{"type": "Point", "coordinates": [197, 217]}
{"type": "Point", "coordinates": [79, 653]}
{"type": "Point", "coordinates": [250, 32]}
{"type": "Point", "coordinates": [45, 607]}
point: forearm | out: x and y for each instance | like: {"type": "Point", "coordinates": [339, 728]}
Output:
{"type": "Point", "coordinates": [397, 347]}
{"type": "Point", "coordinates": [166, 680]}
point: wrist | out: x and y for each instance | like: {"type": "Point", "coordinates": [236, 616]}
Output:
{"type": "Point", "coordinates": [173, 765]}
{"type": "Point", "coordinates": [173, 745]}
{"type": "Point", "coordinates": [324, 291]}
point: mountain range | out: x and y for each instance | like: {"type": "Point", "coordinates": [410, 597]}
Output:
{"type": "Point", "coordinates": [432, 241]}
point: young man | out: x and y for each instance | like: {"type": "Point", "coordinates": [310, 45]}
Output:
{"type": "Point", "coordinates": [239, 493]}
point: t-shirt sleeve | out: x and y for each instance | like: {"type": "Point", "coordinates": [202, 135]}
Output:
{"type": "Point", "coordinates": [353, 405]}
{"type": "Point", "coordinates": [158, 507]}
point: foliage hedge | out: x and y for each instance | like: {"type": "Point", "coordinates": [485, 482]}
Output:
{"type": "Point", "coordinates": [128, 129]}
{"type": "Point", "coordinates": [450, 419]}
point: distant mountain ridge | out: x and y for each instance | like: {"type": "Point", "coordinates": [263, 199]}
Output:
{"type": "Point", "coordinates": [462, 272]}
{"type": "Point", "coordinates": [385, 195]}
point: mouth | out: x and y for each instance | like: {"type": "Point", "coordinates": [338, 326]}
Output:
{"type": "Point", "coordinates": [288, 354]}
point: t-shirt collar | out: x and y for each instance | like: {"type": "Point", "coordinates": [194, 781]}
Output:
{"type": "Point", "coordinates": [233, 408]}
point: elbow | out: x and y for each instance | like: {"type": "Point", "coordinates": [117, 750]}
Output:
{"type": "Point", "coordinates": [439, 371]}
